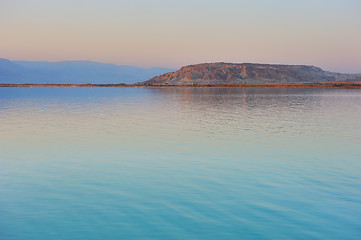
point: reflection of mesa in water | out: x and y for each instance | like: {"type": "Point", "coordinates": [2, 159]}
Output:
{"type": "Point", "coordinates": [220, 74]}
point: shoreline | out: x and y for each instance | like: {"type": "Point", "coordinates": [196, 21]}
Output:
{"type": "Point", "coordinates": [299, 85]}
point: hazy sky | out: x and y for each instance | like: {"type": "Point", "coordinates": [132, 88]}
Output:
{"type": "Point", "coordinates": [172, 33]}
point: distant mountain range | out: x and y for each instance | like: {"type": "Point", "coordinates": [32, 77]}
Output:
{"type": "Point", "coordinates": [248, 73]}
{"type": "Point", "coordinates": [207, 74]}
{"type": "Point", "coordinates": [73, 72]}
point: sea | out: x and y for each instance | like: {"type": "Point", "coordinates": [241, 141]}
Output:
{"type": "Point", "coordinates": [180, 163]}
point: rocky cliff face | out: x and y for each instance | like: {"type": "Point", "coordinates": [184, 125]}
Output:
{"type": "Point", "coordinates": [248, 73]}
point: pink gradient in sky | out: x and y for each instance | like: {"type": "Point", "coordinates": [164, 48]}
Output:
{"type": "Point", "coordinates": [168, 33]}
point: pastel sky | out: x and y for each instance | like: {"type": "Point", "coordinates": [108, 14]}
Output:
{"type": "Point", "coordinates": [172, 33]}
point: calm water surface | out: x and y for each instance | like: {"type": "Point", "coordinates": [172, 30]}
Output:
{"type": "Point", "coordinates": [180, 163]}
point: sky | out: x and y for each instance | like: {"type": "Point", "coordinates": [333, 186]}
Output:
{"type": "Point", "coordinates": [173, 33]}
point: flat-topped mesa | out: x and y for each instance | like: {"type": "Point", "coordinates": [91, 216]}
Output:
{"type": "Point", "coordinates": [248, 73]}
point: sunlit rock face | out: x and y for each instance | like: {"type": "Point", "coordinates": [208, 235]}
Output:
{"type": "Point", "coordinates": [249, 73]}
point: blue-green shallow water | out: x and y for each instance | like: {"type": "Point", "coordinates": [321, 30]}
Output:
{"type": "Point", "coordinates": [180, 163]}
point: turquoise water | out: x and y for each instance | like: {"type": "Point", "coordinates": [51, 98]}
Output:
{"type": "Point", "coordinates": [180, 163]}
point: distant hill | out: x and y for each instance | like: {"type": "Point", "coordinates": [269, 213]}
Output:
{"type": "Point", "coordinates": [73, 72]}
{"type": "Point", "coordinates": [249, 73]}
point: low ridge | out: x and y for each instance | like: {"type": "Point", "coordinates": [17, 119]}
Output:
{"type": "Point", "coordinates": [248, 73]}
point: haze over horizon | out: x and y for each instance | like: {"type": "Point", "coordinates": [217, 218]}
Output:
{"type": "Point", "coordinates": [173, 34]}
